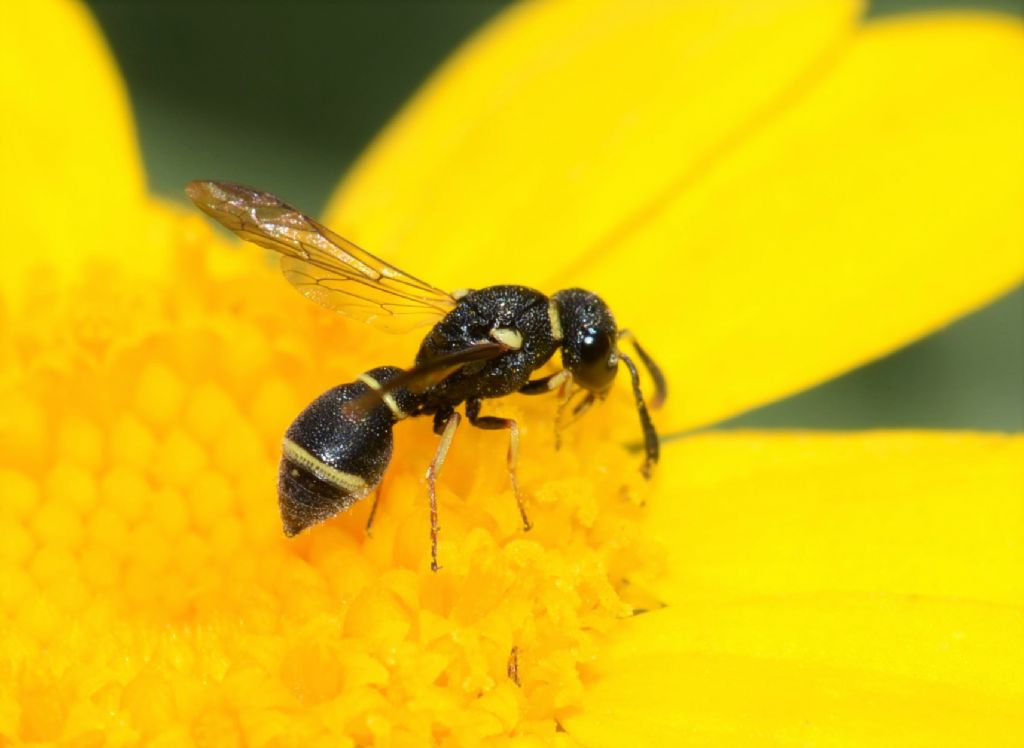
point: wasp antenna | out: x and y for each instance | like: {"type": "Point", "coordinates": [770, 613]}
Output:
{"type": "Point", "coordinates": [660, 386]}
{"type": "Point", "coordinates": [651, 446]}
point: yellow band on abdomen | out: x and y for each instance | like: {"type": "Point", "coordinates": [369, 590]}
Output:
{"type": "Point", "coordinates": [302, 457]}
{"type": "Point", "coordinates": [387, 397]}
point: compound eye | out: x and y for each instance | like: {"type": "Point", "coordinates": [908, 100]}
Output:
{"type": "Point", "coordinates": [597, 367]}
{"type": "Point", "coordinates": [595, 347]}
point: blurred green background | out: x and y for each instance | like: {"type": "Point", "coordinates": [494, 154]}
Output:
{"type": "Point", "coordinates": [286, 95]}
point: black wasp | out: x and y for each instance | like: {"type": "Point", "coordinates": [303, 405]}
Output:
{"type": "Point", "coordinates": [483, 344]}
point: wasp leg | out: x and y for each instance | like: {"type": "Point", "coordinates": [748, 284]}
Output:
{"type": "Point", "coordinates": [560, 381]}
{"type": "Point", "coordinates": [493, 423]}
{"type": "Point", "coordinates": [561, 422]}
{"type": "Point", "coordinates": [447, 434]}
{"type": "Point", "coordinates": [546, 384]}
{"type": "Point", "coordinates": [373, 510]}
{"type": "Point", "coordinates": [650, 435]}
{"type": "Point", "coordinates": [513, 666]}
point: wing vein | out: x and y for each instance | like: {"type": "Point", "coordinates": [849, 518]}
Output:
{"type": "Point", "coordinates": [322, 265]}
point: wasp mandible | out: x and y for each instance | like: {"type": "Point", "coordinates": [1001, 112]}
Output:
{"type": "Point", "coordinates": [484, 344]}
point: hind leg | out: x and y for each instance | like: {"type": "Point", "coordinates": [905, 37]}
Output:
{"type": "Point", "coordinates": [373, 509]}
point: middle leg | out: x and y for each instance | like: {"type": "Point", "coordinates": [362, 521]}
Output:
{"type": "Point", "coordinates": [445, 427]}
{"type": "Point", "coordinates": [494, 423]}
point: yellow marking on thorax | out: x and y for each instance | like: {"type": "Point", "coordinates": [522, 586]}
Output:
{"type": "Point", "coordinates": [387, 397]}
{"type": "Point", "coordinates": [339, 478]}
{"type": "Point", "coordinates": [508, 337]}
{"type": "Point", "coordinates": [461, 293]}
{"type": "Point", "coordinates": [556, 320]}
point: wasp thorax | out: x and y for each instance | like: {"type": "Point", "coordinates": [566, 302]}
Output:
{"type": "Point", "coordinates": [588, 338]}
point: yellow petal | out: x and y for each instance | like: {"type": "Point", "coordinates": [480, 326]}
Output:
{"type": "Point", "coordinates": [914, 513]}
{"type": "Point", "coordinates": [763, 205]}
{"type": "Point", "coordinates": [881, 205]}
{"type": "Point", "coordinates": [561, 120]}
{"type": "Point", "coordinates": [71, 178]}
{"type": "Point", "coordinates": [828, 590]}
{"type": "Point", "coordinates": [849, 670]}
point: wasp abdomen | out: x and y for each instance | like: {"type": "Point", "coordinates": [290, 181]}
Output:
{"type": "Point", "coordinates": [332, 457]}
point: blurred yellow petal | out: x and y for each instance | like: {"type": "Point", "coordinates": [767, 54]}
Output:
{"type": "Point", "coordinates": [561, 120]}
{"type": "Point", "coordinates": [925, 513]}
{"type": "Point", "coordinates": [761, 226]}
{"type": "Point", "coordinates": [839, 590]}
{"type": "Point", "coordinates": [71, 178]}
{"type": "Point", "coordinates": [883, 204]}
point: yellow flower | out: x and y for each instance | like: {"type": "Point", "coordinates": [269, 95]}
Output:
{"type": "Point", "coordinates": [768, 194]}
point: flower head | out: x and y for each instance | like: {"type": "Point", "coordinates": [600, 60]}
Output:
{"type": "Point", "coordinates": [800, 587]}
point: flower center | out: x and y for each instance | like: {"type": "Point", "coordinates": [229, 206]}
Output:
{"type": "Point", "coordinates": [149, 589]}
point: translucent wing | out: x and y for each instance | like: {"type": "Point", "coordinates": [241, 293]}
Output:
{"type": "Point", "coordinates": [323, 266]}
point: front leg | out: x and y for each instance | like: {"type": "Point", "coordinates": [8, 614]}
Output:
{"type": "Point", "coordinates": [546, 384]}
{"type": "Point", "coordinates": [562, 382]}
{"type": "Point", "coordinates": [491, 423]}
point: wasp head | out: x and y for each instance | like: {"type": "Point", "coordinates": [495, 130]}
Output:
{"type": "Point", "coordinates": [588, 339]}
